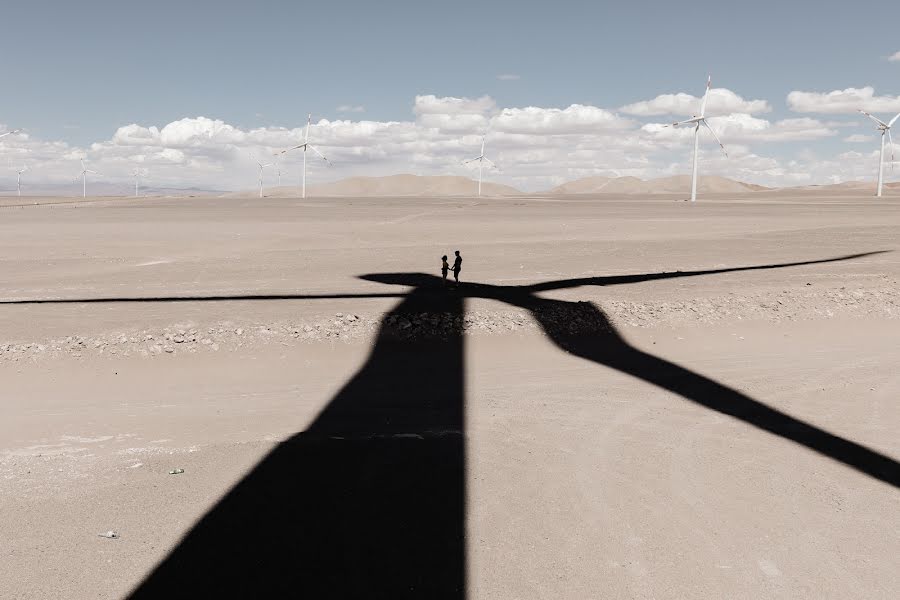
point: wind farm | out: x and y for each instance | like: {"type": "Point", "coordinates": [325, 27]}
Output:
{"type": "Point", "coordinates": [459, 302]}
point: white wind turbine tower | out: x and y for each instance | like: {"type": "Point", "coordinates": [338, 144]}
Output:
{"type": "Point", "coordinates": [696, 121]}
{"type": "Point", "coordinates": [481, 158]}
{"type": "Point", "coordinates": [19, 179]}
{"type": "Point", "coordinates": [24, 168]}
{"type": "Point", "coordinates": [84, 172]}
{"type": "Point", "coordinates": [306, 146]}
{"type": "Point", "coordinates": [137, 173]}
{"type": "Point", "coordinates": [884, 128]}
{"type": "Point", "coordinates": [278, 169]}
{"type": "Point", "coordinates": [261, 167]}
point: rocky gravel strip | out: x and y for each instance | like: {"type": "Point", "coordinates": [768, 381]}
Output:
{"type": "Point", "coordinates": [573, 317]}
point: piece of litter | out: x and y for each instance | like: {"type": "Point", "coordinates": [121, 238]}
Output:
{"type": "Point", "coordinates": [136, 465]}
{"type": "Point", "coordinates": [176, 471]}
{"type": "Point", "coordinates": [112, 535]}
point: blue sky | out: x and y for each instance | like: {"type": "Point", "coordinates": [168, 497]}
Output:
{"type": "Point", "coordinates": [77, 71]}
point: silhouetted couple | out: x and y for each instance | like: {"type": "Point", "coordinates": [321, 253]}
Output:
{"type": "Point", "coordinates": [457, 267]}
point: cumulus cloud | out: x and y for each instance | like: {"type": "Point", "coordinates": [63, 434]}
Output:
{"type": "Point", "coordinates": [858, 138]}
{"type": "Point", "coordinates": [749, 129]}
{"type": "Point", "coordinates": [433, 105]}
{"type": "Point", "coordinates": [895, 57]}
{"type": "Point", "coordinates": [720, 101]}
{"type": "Point", "coordinates": [536, 148]}
{"type": "Point", "coordinates": [576, 119]}
{"type": "Point", "coordinates": [845, 101]}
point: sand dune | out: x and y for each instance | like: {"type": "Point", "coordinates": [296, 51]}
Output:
{"type": "Point", "coordinates": [398, 185]}
{"type": "Point", "coordinates": [664, 185]}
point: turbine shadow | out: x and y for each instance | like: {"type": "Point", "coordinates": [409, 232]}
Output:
{"type": "Point", "coordinates": [369, 501]}
{"type": "Point", "coordinates": [423, 281]}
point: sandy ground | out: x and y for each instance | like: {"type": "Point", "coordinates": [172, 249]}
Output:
{"type": "Point", "coordinates": [592, 465]}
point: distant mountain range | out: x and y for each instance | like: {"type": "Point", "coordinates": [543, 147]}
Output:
{"type": "Point", "coordinates": [399, 185]}
{"type": "Point", "coordinates": [664, 185]}
{"type": "Point", "coordinates": [99, 188]}
{"type": "Point", "coordinates": [448, 185]}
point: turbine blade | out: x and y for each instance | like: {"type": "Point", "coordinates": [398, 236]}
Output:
{"type": "Point", "coordinates": [878, 121]}
{"type": "Point", "coordinates": [685, 122]}
{"type": "Point", "coordinates": [715, 136]}
{"type": "Point", "coordinates": [894, 120]}
{"type": "Point", "coordinates": [465, 162]}
{"type": "Point", "coordinates": [705, 96]}
{"type": "Point", "coordinates": [322, 156]}
{"type": "Point", "coordinates": [891, 139]}
{"type": "Point", "coordinates": [289, 149]}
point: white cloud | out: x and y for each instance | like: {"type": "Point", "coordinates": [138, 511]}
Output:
{"type": "Point", "coordinates": [720, 101]}
{"type": "Point", "coordinates": [431, 105]}
{"type": "Point", "coordinates": [349, 108]}
{"type": "Point", "coordinates": [536, 147]}
{"type": "Point", "coordinates": [895, 57]}
{"type": "Point", "coordinates": [858, 138]}
{"type": "Point", "coordinates": [512, 77]}
{"type": "Point", "coordinates": [749, 129]}
{"type": "Point", "coordinates": [576, 119]}
{"type": "Point", "coordinates": [846, 101]}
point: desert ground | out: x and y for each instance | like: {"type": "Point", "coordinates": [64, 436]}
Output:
{"type": "Point", "coordinates": [626, 398]}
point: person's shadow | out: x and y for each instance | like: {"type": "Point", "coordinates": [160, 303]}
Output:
{"type": "Point", "coordinates": [369, 501]}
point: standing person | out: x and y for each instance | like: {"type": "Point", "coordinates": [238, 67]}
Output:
{"type": "Point", "coordinates": [457, 267]}
{"type": "Point", "coordinates": [445, 266]}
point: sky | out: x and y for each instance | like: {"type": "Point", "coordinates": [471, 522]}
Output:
{"type": "Point", "coordinates": [188, 91]}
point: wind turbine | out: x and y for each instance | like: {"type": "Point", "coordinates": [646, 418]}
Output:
{"type": "Point", "coordinates": [696, 121]}
{"type": "Point", "coordinates": [278, 170]}
{"type": "Point", "coordinates": [137, 173]}
{"type": "Point", "coordinates": [19, 179]}
{"type": "Point", "coordinates": [84, 172]}
{"type": "Point", "coordinates": [884, 128]}
{"type": "Point", "coordinates": [14, 131]}
{"type": "Point", "coordinates": [481, 158]}
{"type": "Point", "coordinates": [261, 167]}
{"type": "Point", "coordinates": [306, 146]}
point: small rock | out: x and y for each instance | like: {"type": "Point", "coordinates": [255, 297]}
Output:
{"type": "Point", "coordinates": [111, 535]}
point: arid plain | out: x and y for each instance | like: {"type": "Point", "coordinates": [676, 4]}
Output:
{"type": "Point", "coordinates": [615, 405]}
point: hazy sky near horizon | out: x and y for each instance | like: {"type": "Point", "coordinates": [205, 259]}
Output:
{"type": "Point", "coordinates": [566, 89]}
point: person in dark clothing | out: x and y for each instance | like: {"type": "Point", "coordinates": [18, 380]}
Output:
{"type": "Point", "coordinates": [457, 267]}
{"type": "Point", "coordinates": [445, 267]}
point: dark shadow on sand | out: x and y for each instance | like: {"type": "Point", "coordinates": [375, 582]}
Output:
{"type": "Point", "coordinates": [369, 501]}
